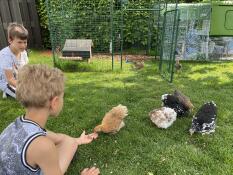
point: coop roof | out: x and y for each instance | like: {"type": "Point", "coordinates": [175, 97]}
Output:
{"type": "Point", "coordinates": [77, 45]}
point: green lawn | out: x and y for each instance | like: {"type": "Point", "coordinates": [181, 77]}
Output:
{"type": "Point", "coordinates": [141, 148]}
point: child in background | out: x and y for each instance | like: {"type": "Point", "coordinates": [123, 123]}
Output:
{"type": "Point", "coordinates": [12, 58]}
{"type": "Point", "coordinates": [26, 147]}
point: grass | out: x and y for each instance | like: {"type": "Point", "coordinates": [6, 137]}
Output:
{"type": "Point", "coordinates": [141, 148]}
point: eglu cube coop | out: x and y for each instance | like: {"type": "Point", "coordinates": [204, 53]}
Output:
{"type": "Point", "coordinates": [77, 49]}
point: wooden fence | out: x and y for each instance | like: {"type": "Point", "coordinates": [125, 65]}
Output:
{"type": "Point", "coordinates": [24, 12]}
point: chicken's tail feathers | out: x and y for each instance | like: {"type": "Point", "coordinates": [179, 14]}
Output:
{"type": "Point", "coordinates": [124, 110]}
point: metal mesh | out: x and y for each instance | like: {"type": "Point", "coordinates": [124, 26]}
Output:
{"type": "Point", "coordinates": [169, 38]}
{"type": "Point", "coordinates": [82, 19]}
{"type": "Point", "coordinates": [194, 42]}
{"type": "Point", "coordinates": [194, 29]}
{"type": "Point", "coordinates": [106, 23]}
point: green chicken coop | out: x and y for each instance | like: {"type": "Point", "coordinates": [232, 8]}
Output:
{"type": "Point", "coordinates": [221, 19]}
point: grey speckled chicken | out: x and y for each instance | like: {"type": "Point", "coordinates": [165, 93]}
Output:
{"type": "Point", "coordinates": [205, 120]}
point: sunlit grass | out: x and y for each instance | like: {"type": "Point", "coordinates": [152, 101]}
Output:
{"type": "Point", "coordinates": [141, 148]}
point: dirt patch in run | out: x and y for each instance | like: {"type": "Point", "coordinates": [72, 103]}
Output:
{"type": "Point", "coordinates": [47, 53]}
{"type": "Point", "coordinates": [99, 56]}
{"type": "Point", "coordinates": [124, 57]}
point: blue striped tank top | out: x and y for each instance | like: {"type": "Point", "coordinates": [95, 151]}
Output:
{"type": "Point", "coordinates": [14, 141]}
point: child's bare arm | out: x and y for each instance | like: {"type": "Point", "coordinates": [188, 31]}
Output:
{"type": "Point", "coordinates": [85, 139]}
{"type": "Point", "coordinates": [67, 146]}
{"type": "Point", "coordinates": [10, 77]}
{"type": "Point", "coordinates": [43, 153]}
{"type": "Point", "coordinates": [58, 138]}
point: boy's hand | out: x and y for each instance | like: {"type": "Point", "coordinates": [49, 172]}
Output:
{"type": "Point", "coordinates": [85, 139]}
{"type": "Point", "coordinates": [90, 171]}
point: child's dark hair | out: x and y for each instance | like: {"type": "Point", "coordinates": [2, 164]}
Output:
{"type": "Point", "coordinates": [16, 30]}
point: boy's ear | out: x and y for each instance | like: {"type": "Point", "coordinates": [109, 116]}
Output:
{"type": "Point", "coordinates": [9, 40]}
{"type": "Point", "coordinates": [53, 102]}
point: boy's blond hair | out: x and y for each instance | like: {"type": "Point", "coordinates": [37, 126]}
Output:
{"type": "Point", "coordinates": [37, 84]}
{"type": "Point", "coordinates": [16, 30]}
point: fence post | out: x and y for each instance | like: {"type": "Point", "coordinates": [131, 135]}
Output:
{"type": "Point", "coordinates": [26, 20]}
{"type": "Point", "coordinates": [15, 11]}
{"type": "Point", "coordinates": [35, 26]}
{"type": "Point", "coordinates": [3, 40]}
{"type": "Point", "coordinates": [5, 19]}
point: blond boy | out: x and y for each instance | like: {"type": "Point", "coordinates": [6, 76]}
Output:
{"type": "Point", "coordinates": [26, 147]}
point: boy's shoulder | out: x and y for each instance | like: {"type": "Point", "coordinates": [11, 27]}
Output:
{"type": "Point", "coordinates": [39, 149]}
{"type": "Point", "coordinates": [42, 152]}
{"type": "Point", "coordinates": [5, 50]}
{"type": "Point", "coordinates": [42, 144]}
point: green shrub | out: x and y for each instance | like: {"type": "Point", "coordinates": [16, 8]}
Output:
{"type": "Point", "coordinates": [43, 19]}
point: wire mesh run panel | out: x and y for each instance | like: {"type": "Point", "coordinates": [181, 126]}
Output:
{"type": "Point", "coordinates": [80, 48]}
{"type": "Point", "coordinates": [193, 38]}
